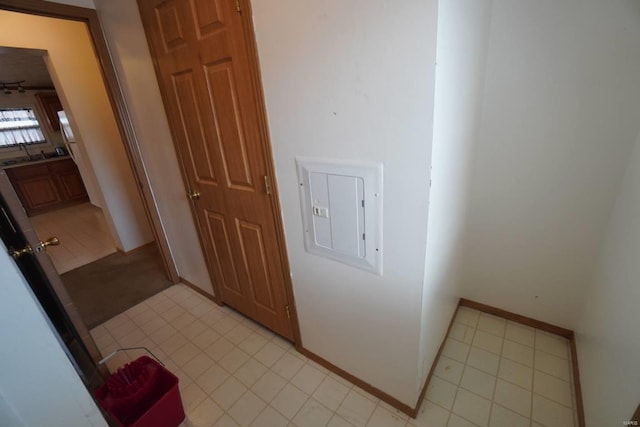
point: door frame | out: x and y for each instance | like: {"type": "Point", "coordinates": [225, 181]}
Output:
{"type": "Point", "coordinates": [246, 15]}
{"type": "Point", "coordinates": [256, 77]}
{"type": "Point", "coordinates": [90, 18]}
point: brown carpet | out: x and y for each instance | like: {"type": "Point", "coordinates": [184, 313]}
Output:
{"type": "Point", "coordinates": [113, 284]}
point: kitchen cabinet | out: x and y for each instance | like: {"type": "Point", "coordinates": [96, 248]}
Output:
{"type": "Point", "coordinates": [68, 178]}
{"type": "Point", "coordinates": [47, 185]}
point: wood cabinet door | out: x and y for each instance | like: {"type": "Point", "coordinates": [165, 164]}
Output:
{"type": "Point", "coordinates": [38, 193]}
{"type": "Point", "coordinates": [35, 187]}
{"type": "Point", "coordinates": [203, 66]}
{"type": "Point", "coordinates": [69, 180]}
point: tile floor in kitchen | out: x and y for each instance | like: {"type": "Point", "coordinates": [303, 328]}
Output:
{"type": "Point", "coordinates": [83, 234]}
{"type": "Point", "coordinates": [234, 372]}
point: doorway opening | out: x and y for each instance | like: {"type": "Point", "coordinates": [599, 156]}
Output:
{"type": "Point", "coordinates": [63, 196]}
{"type": "Point", "coordinates": [48, 163]}
{"type": "Point", "coordinates": [116, 221]}
{"type": "Point", "coordinates": [58, 180]}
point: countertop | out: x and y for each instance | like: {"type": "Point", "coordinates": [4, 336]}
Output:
{"type": "Point", "coordinates": [34, 162]}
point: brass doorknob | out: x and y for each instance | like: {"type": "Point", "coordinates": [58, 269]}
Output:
{"type": "Point", "coordinates": [17, 253]}
{"type": "Point", "coordinates": [51, 241]}
{"type": "Point", "coordinates": [193, 194]}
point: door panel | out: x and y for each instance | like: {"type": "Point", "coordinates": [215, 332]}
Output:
{"type": "Point", "coordinates": [229, 125]}
{"type": "Point", "coordinates": [169, 20]}
{"type": "Point", "coordinates": [222, 254]}
{"type": "Point", "coordinates": [194, 130]}
{"type": "Point", "coordinates": [205, 76]}
{"type": "Point", "coordinates": [209, 17]}
{"type": "Point", "coordinates": [255, 261]}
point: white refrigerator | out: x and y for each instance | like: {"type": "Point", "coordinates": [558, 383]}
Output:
{"type": "Point", "coordinates": [79, 155]}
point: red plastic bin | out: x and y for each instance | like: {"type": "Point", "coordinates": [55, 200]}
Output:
{"type": "Point", "coordinates": [142, 394]}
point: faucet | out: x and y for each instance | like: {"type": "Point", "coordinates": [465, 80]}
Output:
{"type": "Point", "coordinates": [23, 146]}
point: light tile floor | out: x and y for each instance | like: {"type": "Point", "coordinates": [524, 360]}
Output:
{"type": "Point", "coordinates": [496, 373]}
{"type": "Point", "coordinates": [234, 372]}
{"type": "Point", "coordinates": [83, 233]}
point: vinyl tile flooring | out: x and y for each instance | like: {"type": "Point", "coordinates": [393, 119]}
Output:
{"type": "Point", "coordinates": [498, 373]}
{"type": "Point", "coordinates": [234, 372]}
{"type": "Point", "coordinates": [83, 233]}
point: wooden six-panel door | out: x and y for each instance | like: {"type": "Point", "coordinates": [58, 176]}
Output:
{"type": "Point", "coordinates": [203, 67]}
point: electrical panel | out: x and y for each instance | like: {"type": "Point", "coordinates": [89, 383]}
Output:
{"type": "Point", "coordinates": [342, 210]}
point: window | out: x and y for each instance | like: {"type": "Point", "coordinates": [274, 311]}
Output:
{"type": "Point", "coordinates": [19, 126]}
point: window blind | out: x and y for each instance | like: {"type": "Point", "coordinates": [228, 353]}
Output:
{"type": "Point", "coordinates": [19, 126]}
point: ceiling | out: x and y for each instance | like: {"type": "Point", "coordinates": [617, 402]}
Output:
{"type": "Point", "coordinates": [24, 64]}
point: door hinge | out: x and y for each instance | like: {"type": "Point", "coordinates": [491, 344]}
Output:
{"type": "Point", "coordinates": [238, 6]}
{"type": "Point", "coordinates": [267, 184]}
{"type": "Point", "coordinates": [363, 236]}
{"type": "Point", "coordinates": [286, 307]}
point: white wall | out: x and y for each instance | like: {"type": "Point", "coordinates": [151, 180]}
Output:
{"type": "Point", "coordinates": [463, 29]}
{"type": "Point", "coordinates": [130, 54]}
{"type": "Point", "coordinates": [355, 80]}
{"type": "Point", "coordinates": [607, 333]}
{"type": "Point", "coordinates": [76, 74]}
{"type": "Point", "coordinates": [39, 385]}
{"type": "Point", "coordinates": [559, 117]}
